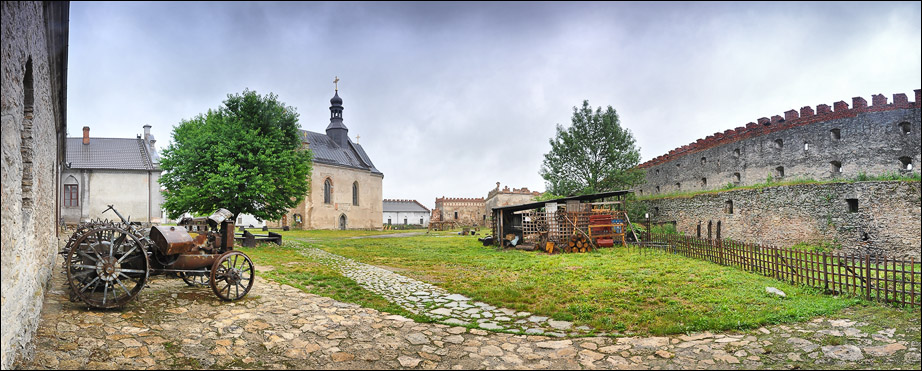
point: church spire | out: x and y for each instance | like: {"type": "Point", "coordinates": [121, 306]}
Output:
{"type": "Point", "coordinates": [337, 131]}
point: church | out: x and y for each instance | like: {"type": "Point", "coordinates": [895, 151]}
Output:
{"type": "Point", "coordinates": [345, 190]}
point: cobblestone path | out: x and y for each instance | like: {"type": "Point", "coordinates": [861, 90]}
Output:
{"type": "Point", "coordinates": [170, 325]}
{"type": "Point", "coordinates": [432, 301]}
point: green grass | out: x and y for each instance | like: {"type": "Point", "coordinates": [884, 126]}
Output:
{"type": "Point", "coordinates": [291, 268]}
{"type": "Point", "coordinates": [620, 290]}
{"type": "Point", "coordinates": [321, 234]}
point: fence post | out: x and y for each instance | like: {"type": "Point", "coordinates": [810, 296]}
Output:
{"type": "Point", "coordinates": [867, 276]}
{"type": "Point", "coordinates": [825, 274]}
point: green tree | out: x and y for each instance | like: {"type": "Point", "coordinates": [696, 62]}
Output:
{"type": "Point", "coordinates": [245, 156]}
{"type": "Point", "coordinates": [595, 154]}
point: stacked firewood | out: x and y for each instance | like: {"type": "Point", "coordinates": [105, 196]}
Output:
{"type": "Point", "coordinates": [578, 243]}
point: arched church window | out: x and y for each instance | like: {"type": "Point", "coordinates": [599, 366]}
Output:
{"type": "Point", "coordinates": [355, 193]}
{"type": "Point", "coordinates": [328, 191]}
{"type": "Point", "coordinates": [71, 192]}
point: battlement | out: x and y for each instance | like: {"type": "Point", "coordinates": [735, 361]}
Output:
{"type": "Point", "coordinates": [506, 190]}
{"type": "Point", "coordinates": [456, 199]}
{"type": "Point", "coordinates": [792, 118]}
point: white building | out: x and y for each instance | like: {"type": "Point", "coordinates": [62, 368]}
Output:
{"type": "Point", "coordinates": [405, 212]}
{"type": "Point", "coordinates": [122, 172]}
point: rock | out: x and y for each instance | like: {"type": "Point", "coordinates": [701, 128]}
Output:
{"type": "Point", "coordinates": [884, 350]}
{"type": "Point", "coordinates": [843, 352]}
{"type": "Point", "coordinates": [560, 325]}
{"type": "Point", "coordinates": [664, 354]}
{"type": "Point", "coordinates": [801, 344]}
{"type": "Point", "coordinates": [559, 344]}
{"type": "Point", "coordinates": [442, 311]}
{"type": "Point", "coordinates": [772, 290]}
{"type": "Point", "coordinates": [342, 357]}
{"type": "Point", "coordinates": [417, 338]}
{"type": "Point", "coordinates": [491, 351]}
{"type": "Point", "coordinates": [406, 361]}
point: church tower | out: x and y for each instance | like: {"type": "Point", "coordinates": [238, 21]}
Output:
{"type": "Point", "coordinates": [337, 131]}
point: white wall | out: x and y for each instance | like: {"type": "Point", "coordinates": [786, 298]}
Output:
{"type": "Point", "coordinates": [412, 217]}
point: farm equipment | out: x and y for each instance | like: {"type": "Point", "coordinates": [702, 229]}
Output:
{"type": "Point", "coordinates": [108, 263]}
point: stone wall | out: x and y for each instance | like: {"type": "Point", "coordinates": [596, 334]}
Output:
{"type": "Point", "coordinates": [33, 128]}
{"type": "Point", "coordinates": [465, 211]}
{"type": "Point", "coordinates": [315, 214]}
{"type": "Point", "coordinates": [507, 197]}
{"type": "Point", "coordinates": [832, 142]}
{"type": "Point", "coordinates": [866, 217]}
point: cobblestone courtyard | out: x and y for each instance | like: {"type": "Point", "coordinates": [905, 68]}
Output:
{"type": "Point", "coordinates": [171, 325]}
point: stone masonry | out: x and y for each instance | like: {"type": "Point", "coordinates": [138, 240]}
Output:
{"type": "Point", "coordinates": [864, 217]}
{"type": "Point", "coordinates": [33, 62]}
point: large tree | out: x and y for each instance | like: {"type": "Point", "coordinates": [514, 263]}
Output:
{"type": "Point", "coordinates": [245, 156]}
{"type": "Point", "coordinates": [595, 154]}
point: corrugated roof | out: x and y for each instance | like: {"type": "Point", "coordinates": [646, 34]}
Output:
{"type": "Point", "coordinates": [109, 153]}
{"type": "Point", "coordinates": [328, 152]}
{"type": "Point", "coordinates": [404, 206]}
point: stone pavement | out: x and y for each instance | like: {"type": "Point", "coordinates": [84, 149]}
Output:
{"type": "Point", "coordinates": [434, 302]}
{"type": "Point", "coordinates": [173, 326]}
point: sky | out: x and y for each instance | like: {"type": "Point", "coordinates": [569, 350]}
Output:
{"type": "Point", "coordinates": [450, 98]}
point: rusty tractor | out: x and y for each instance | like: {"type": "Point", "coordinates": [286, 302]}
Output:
{"type": "Point", "coordinates": [108, 263]}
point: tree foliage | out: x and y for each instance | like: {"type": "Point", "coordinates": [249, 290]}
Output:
{"type": "Point", "coordinates": [595, 154]}
{"type": "Point", "coordinates": [245, 156]}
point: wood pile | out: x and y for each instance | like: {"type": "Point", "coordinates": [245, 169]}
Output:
{"type": "Point", "coordinates": [576, 243]}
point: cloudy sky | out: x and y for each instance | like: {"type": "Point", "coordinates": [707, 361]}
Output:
{"type": "Point", "coordinates": [450, 98]}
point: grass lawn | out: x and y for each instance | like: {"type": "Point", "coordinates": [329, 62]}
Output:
{"type": "Point", "coordinates": [613, 290]}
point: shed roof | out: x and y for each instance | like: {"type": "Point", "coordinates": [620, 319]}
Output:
{"type": "Point", "coordinates": [404, 206]}
{"type": "Point", "coordinates": [540, 204]}
{"type": "Point", "coordinates": [109, 153]}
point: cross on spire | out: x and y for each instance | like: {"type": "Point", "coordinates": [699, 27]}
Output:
{"type": "Point", "coordinates": [336, 82]}
{"type": "Point", "coordinates": [357, 138]}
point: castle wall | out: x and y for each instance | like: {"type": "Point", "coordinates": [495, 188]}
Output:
{"type": "Point", "coordinates": [465, 211]}
{"type": "Point", "coordinates": [883, 217]}
{"type": "Point", "coordinates": [32, 148]}
{"type": "Point", "coordinates": [834, 142]}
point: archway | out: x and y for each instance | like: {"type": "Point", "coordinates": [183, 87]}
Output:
{"type": "Point", "coordinates": [342, 221]}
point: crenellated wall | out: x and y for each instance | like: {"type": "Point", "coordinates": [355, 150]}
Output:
{"type": "Point", "coordinates": [826, 143]}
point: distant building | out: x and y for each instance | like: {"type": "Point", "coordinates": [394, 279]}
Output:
{"type": "Point", "coordinates": [508, 197]}
{"type": "Point", "coordinates": [406, 212]}
{"type": "Point", "coordinates": [34, 127]}
{"type": "Point", "coordinates": [123, 172]}
{"type": "Point", "coordinates": [463, 211]}
{"type": "Point", "coordinates": [345, 190]}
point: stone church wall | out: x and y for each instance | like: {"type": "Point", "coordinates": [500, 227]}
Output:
{"type": "Point", "coordinates": [314, 214]}
{"type": "Point", "coordinates": [861, 217]}
{"type": "Point", "coordinates": [30, 167]}
{"type": "Point", "coordinates": [829, 143]}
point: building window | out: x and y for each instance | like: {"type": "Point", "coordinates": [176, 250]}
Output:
{"type": "Point", "coordinates": [852, 205]}
{"type": "Point", "coordinates": [905, 163]}
{"type": "Point", "coordinates": [71, 195]}
{"type": "Point", "coordinates": [704, 182]}
{"type": "Point", "coordinates": [806, 146]}
{"type": "Point", "coordinates": [704, 160]}
{"type": "Point", "coordinates": [657, 189]}
{"type": "Point", "coordinates": [835, 134]}
{"type": "Point", "coordinates": [388, 221]}
{"type": "Point", "coordinates": [728, 207]}
{"type": "Point", "coordinates": [678, 186]}
{"type": "Point", "coordinates": [904, 128]}
{"type": "Point", "coordinates": [836, 167]}
{"type": "Point", "coordinates": [779, 144]}
{"type": "Point", "coordinates": [779, 172]}
{"type": "Point", "coordinates": [736, 177]}
{"type": "Point", "coordinates": [328, 191]}
{"type": "Point", "coordinates": [736, 152]}
{"type": "Point", "coordinates": [420, 221]}
{"type": "Point", "coordinates": [355, 193]}
{"type": "Point", "coordinates": [456, 215]}
{"type": "Point", "coordinates": [404, 221]}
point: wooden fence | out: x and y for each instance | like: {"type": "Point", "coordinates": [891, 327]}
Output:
{"type": "Point", "coordinates": [871, 277]}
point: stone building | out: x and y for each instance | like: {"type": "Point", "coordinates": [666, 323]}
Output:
{"type": "Point", "coordinates": [508, 197]}
{"type": "Point", "coordinates": [822, 144]}
{"type": "Point", "coordinates": [464, 211]}
{"type": "Point", "coordinates": [123, 172]}
{"type": "Point", "coordinates": [345, 187]}
{"type": "Point", "coordinates": [827, 144]}
{"type": "Point", "coordinates": [406, 212]}
{"type": "Point", "coordinates": [34, 127]}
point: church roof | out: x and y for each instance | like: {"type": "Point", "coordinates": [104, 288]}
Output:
{"type": "Point", "coordinates": [326, 151]}
{"type": "Point", "coordinates": [109, 153]}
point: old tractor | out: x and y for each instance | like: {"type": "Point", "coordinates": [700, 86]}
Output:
{"type": "Point", "coordinates": [108, 263]}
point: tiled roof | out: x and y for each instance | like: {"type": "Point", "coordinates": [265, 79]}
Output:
{"type": "Point", "coordinates": [109, 153]}
{"type": "Point", "coordinates": [404, 206]}
{"type": "Point", "coordinates": [328, 152]}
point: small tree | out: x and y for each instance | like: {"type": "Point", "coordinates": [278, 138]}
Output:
{"type": "Point", "coordinates": [245, 157]}
{"type": "Point", "coordinates": [593, 155]}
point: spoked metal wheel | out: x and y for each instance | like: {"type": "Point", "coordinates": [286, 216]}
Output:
{"type": "Point", "coordinates": [232, 275]}
{"type": "Point", "coordinates": [107, 267]}
{"type": "Point", "coordinates": [196, 279]}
